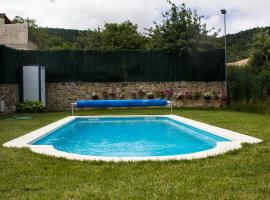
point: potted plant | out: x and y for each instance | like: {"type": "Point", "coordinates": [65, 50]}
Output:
{"type": "Point", "coordinates": [141, 94]}
{"type": "Point", "coordinates": [215, 95]}
{"type": "Point", "coordinates": [223, 96]}
{"type": "Point", "coordinates": [105, 95]}
{"type": "Point", "coordinates": [160, 94]}
{"type": "Point", "coordinates": [150, 95]}
{"type": "Point", "coordinates": [207, 95]}
{"type": "Point", "coordinates": [180, 96]}
{"type": "Point", "coordinates": [196, 95]}
{"type": "Point", "coordinates": [94, 96]}
{"type": "Point", "coordinates": [122, 96]}
{"type": "Point", "coordinates": [169, 93]}
{"type": "Point", "coordinates": [134, 95]}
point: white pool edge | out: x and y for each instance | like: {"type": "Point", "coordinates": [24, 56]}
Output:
{"type": "Point", "coordinates": [236, 140]}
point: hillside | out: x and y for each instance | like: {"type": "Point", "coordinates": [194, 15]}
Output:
{"type": "Point", "coordinates": [238, 43]}
{"type": "Point", "coordinates": [69, 35]}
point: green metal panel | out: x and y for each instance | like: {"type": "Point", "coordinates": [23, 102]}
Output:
{"type": "Point", "coordinates": [114, 65]}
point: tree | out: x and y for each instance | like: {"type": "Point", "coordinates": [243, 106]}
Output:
{"type": "Point", "coordinates": [180, 31]}
{"type": "Point", "coordinates": [31, 22]}
{"type": "Point", "coordinates": [260, 50]}
{"type": "Point", "coordinates": [90, 40]}
{"type": "Point", "coordinates": [260, 59]}
{"type": "Point", "coordinates": [122, 36]}
{"type": "Point", "coordinates": [113, 36]}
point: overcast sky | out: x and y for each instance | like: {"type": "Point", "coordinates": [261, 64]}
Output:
{"type": "Point", "coordinates": [85, 14]}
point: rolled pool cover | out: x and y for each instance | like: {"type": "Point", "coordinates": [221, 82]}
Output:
{"type": "Point", "coordinates": [121, 103]}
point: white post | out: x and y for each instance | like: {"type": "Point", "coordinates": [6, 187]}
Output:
{"type": "Point", "coordinates": [72, 108]}
{"type": "Point", "coordinates": [171, 104]}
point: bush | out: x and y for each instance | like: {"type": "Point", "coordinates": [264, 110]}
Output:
{"type": "Point", "coordinates": [248, 91]}
{"type": "Point", "coordinates": [30, 107]}
{"type": "Point", "coordinates": [253, 105]}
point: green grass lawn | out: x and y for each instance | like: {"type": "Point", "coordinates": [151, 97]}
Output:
{"type": "Point", "coordinates": [240, 174]}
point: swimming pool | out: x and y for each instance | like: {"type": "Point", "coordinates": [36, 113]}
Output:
{"type": "Point", "coordinates": [131, 138]}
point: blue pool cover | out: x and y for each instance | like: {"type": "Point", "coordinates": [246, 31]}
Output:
{"type": "Point", "coordinates": [121, 103]}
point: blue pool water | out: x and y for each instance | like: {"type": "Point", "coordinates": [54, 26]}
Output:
{"type": "Point", "coordinates": [129, 137]}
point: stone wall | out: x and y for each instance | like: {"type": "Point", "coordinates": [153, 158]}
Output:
{"type": "Point", "coordinates": [184, 94]}
{"type": "Point", "coordinates": [9, 96]}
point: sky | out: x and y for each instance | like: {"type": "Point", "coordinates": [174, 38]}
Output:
{"type": "Point", "coordinates": [89, 14]}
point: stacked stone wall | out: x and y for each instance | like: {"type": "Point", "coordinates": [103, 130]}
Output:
{"type": "Point", "coordinates": [183, 94]}
{"type": "Point", "coordinates": [59, 96]}
{"type": "Point", "coordinates": [9, 96]}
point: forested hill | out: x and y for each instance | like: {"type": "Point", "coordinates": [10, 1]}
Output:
{"type": "Point", "coordinates": [238, 43]}
{"type": "Point", "coordinates": [69, 35]}
{"type": "Point", "coordinates": [54, 38]}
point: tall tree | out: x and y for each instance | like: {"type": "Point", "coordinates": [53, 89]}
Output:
{"type": "Point", "coordinates": [260, 49]}
{"type": "Point", "coordinates": [31, 22]}
{"type": "Point", "coordinates": [260, 59]}
{"type": "Point", "coordinates": [181, 31]}
{"type": "Point", "coordinates": [113, 36]}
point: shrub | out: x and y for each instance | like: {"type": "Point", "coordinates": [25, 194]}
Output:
{"type": "Point", "coordinates": [252, 105]}
{"type": "Point", "coordinates": [30, 107]}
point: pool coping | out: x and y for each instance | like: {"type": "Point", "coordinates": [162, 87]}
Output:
{"type": "Point", "coordinates": [236, 140]}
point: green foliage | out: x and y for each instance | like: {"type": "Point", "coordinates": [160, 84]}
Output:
{"type": "Point", "coordinates": [260, 51]}
{"type": "Point", "coordinates": [249, 87]}
{"type": "Point", "coordinates": [260, 59]}
{"type": "Point", "coordinates": [238, 43]}
{"type": "Point", "coordinates": [114, 36]}
{"type": "Point", "coordinates": [180, 34]}
{"type": "Point", "coordinates": [30, 107]}
{"type": "Point", "coordinates": [180, 31]}
{"type": "Point", "coordinates": [248, 91]}
{"type": "Point", "coordinates": [252, 105]}
{"type": "Point", "coordinates": [31, 22]}
{"type": "Point", "coordinates": [115, 65]}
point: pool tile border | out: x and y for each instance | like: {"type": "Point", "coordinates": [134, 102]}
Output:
{"type": "Point", "coordinates": [236, 140]}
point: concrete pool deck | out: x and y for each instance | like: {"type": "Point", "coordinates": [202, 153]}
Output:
{"type": "Point", "coordinates": [236, 139]}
